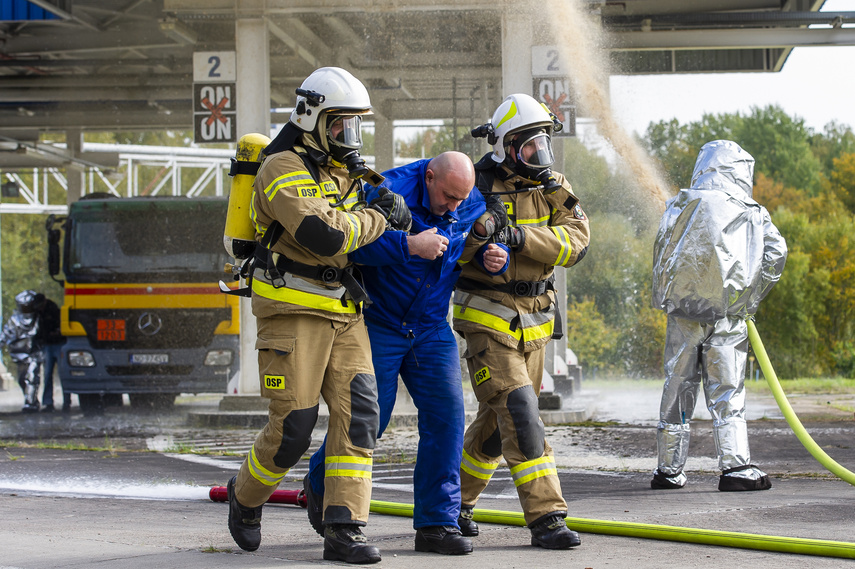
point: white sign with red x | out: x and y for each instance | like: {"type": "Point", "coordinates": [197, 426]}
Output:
{"type": "Point", "coordinates": [551, 86]}
{"type": "Point", "coordinates": [214, 107]}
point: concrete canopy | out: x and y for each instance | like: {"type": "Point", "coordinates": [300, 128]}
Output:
{"type": "Point", "coordinates": [128, 65]}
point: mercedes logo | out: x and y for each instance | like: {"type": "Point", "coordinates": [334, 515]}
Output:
{"type": "Point", "coordinates": [149, 323]}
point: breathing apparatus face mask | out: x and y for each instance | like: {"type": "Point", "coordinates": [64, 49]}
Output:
{"type": "Point", "coordinates": [532, 158]}
{"type": "Point", "coordinates": [344, 137]}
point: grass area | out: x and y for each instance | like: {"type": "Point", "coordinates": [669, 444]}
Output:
{"type": "Point", "coordinates": [54, 445]}
{"type": "Point", "coordinates": [802, 386]}
{"type": "Point", "coordinates": [807, 386]}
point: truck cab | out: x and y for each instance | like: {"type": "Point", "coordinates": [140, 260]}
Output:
{"type": "Point", "coordinates": [142, 312]}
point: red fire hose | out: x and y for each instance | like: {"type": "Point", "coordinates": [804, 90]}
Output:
{"type": "Point", "coordinates": [293, 497]}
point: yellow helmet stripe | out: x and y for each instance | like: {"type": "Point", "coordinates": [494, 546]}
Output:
{"type": "Point", "coordinates": [512, 112]}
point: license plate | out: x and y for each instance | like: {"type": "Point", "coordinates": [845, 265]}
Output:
{"type": "Point", "coordinates": [149, 358]}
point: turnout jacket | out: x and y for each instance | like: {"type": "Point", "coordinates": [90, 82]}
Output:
{"type": "Point", "coordinates": [408, 292]}
{"type": "Point", "coordinates": [315, 233]}
{"type": "Point", "coordinates": [556, 234]}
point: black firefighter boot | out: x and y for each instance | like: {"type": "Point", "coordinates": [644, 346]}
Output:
{"type": "Point", "coordinates": [467, 525]}
{"type": "Point", "coordinates": [442, 539]}
{"type": "Point", "coordinates": [551, 532]}
{"type": "Point", "coordinates": [314, 506]}
{"type": "Point", "coordinates": [244, 523]}
{"type": "Point", "coordinates": [346, 542]}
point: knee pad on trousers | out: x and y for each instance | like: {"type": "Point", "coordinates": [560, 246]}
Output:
{"type": "Point", "coordinates": [522, 406]}
{"type": "Point", "coordinates": [364, 411]}
{"type": "Point", "coordinates": [296, 436]}
{"type": "Point", "coordinates": [492, 445]}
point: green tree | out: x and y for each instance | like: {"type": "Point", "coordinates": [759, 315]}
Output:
{"type": "Point", "coordinates": [780, 145]}
{"type": "Point", "coordinates": [23, 258]}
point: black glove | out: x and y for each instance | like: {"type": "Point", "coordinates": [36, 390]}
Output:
{"type": "Point", "coordinates": [394, 209]}
{"type": "Point", "coordinates": [498, 219]}
{"type": "Point", "coordinates": [513, 237]}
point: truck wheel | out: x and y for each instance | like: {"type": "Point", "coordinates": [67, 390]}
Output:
{"type": "Point", "coordinates": [112, 400]}
{"type": "Point", "coordinates": [152, 401]}
{"type": "Point", "coordinates": [91, 404]}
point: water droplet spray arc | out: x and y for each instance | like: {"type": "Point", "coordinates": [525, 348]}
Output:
{"type": "Point", "coordinates": [580, 41]}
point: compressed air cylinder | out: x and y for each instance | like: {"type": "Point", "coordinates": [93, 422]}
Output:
{"type": "Point", "coordinates": [239, 234]}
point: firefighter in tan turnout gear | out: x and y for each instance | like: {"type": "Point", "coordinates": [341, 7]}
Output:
{"type": "Point", "coordinates": [507, 319]}
{"type": "Point", "coordinates": [311, 336]}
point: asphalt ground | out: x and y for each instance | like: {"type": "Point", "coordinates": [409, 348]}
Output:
{"type": "Point", "coordinates": [142, 499]}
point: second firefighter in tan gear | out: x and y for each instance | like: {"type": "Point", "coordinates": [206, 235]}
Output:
{"type": "Point", "coordinates": [507, 319]}
{"type": "Point", "coordinates": [312, 339]}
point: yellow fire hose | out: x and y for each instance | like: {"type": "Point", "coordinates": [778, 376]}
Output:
{"type": "Point", "coordinates": [792, 420]}
{"type": "Point", "coordinates": [693, 535]}
{"type": "Point", "coordinates": [651, 531]}
{"type": "Point", "coordinates": [760, 542]}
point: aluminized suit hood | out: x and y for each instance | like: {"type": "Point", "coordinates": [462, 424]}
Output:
{"type": "Point", "coordinates": [717, 252]}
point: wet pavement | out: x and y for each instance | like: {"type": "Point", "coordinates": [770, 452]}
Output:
{"type": "Point", "coordinates": [140, 499]}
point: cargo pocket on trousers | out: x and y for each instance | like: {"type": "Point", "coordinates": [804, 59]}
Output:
{"type": "Point", "coordinates": [477, 355]}
{"type": "Point", "coordinates": [273, 366]}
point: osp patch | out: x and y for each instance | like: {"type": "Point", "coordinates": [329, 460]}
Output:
{"type": "Point", "coordinates": [482, 375]}
{"type": "Point", "coordinates": [274, 381]}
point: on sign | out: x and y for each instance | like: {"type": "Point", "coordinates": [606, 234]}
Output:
{"type": "Point", "coordinates": [214, 112]}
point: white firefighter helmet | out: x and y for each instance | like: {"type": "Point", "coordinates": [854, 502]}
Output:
{"type": "Point", "coordinates": [327, 95]}
{"type": "Point", "coordinates": [520, 112]}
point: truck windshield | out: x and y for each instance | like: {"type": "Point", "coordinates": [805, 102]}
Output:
{"type": "Point", "coordinates": [154, 241]}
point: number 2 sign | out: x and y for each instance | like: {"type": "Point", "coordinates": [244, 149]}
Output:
{"type": "Point", "coordinates": [214, 67]}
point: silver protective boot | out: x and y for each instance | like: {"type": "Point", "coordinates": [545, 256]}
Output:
{"type": "Point", "coordinates": [743, 479]}
{"type": "Point", "coordinates": [673, 442]}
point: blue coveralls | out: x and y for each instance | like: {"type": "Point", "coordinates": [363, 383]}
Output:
{"type": "Point", "coordinates": [410, 336]}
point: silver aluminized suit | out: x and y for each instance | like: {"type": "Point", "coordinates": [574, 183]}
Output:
{"type": "Point", "coordinates": [21, 334]}
{"type": "Point", "coordinates": [717, 255]}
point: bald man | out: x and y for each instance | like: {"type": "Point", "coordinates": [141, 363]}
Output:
{"type": "Point", "coordinates": [410, 278]}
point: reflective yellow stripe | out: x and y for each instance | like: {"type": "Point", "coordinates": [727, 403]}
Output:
{"type": "Point", "coordinates": [260, 473]}
{"type": "Point", "coordinates": [533, 469]}
{"type": "Point", "coordinates": [538, 332]}
{"type": "Point", "coordinates": [539, 222]}
{"type": "Point", "coordinates": [302, 298]}
{"type": "Point", "coordinates": [512, 111]}
{"type": "Point", "coordinates": [482, 470]}
{"type": "Point", "coordinates": [566, 250]}
{"type": "Point", "coordinates": [478, 317]}
{"type": "Point", "coordinates": [296, 178]}
{"type": "Point", "coordinates": [355, 231]}
{"type": "Point", "coordinates": [350, 466]}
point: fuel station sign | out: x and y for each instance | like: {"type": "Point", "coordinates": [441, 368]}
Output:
{"type": "Point", "coordinates": [214, 97]}
{"type": "Point", "coordinates": [551, 86]}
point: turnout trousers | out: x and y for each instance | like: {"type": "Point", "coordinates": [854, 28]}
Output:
{"type": "Point", "coordinates": [713, 355]}
{"type": "Point", "coordinates": [301, 357]}
{"type": "Point", "coordinates": [429, 365]}
{"type": "Point", "coordinates": [507, 383]}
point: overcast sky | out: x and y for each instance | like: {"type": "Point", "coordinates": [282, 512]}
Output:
{"type": "Point", "coordinates": [816, 84]}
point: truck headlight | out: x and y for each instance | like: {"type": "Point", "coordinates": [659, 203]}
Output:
{"type": "Point", "coordinates": [81, 359]}
{"type": "Point", "coordinates": [218, 358]}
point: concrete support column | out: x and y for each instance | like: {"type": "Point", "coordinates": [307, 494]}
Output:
{"type": "Point", "coordinates": [74, 174]}
{"type": "Point", "coordinates": [252, 60]}
{"type": "Point", "coordinates": [517, 40]}
{"type": "Point", "coordinates": [516, 51]}
{"type": "Point", "coordinates": [384, 144]}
